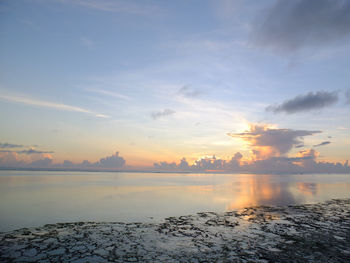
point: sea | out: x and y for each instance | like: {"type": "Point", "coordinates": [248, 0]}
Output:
{"type": "Point", "coordinates": [35, 198]}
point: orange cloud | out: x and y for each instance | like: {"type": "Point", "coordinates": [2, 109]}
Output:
{"type": "Point", "coordinates": [267, 141]}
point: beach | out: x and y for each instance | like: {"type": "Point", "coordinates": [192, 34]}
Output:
{"type": "Point", "coordinates": [295, 233]}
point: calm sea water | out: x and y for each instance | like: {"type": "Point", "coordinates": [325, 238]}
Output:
{"type": "Point", "coordinates": [29, 198]}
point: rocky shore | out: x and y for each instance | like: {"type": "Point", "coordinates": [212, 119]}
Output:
{"type": "Point", "coordinates": [298, 233]}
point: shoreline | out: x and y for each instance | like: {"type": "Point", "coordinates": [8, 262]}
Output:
{"type": "Point", "coordinates": [29, 169]}
{"type": "Point", "coordinates": [300, 233]}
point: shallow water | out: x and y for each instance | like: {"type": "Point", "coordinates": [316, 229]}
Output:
{"type": "Point", "coordinates": [30, 198]}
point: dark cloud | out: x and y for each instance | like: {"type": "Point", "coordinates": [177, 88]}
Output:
{"type": "Point", "coordinates": [291, 25]}
{"type": "Point", "coordinates": [158, 114]}
{"type": "Point", "coordinates": [322, 143]}
{"type": "Point", "coordinates": [186, 91]}
{"type": "Point", "coordinates": [308, 102]}
{"type": "Point", "coordinates": [29, 151]}
{"type": "Point", "coordinates": [267, 142]}
{"type": "Point", "coordinates": [347, 96]}
{"type": "Point", "coordinates": [10, 145]}
{"type": "Point", "coordinates": [33, 151]}
{"type": "Point", "coordinates": [67, 163]}
{"type": "Point", "coordinates": [46, 162]}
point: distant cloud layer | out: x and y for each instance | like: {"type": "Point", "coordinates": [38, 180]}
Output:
{"type": "Point", "coordinates": [8, 148]}
{"type": "Point", "coordinates": [9, 145]}
{"type": "Point", "coordinates": [159, 114]}
{"type": "Point", "coordinates": [291, 25]}
{"type": "Point", "coordinates": [266, 141]}
{"type": "Point", "coordinates": [304, 162]}
{"type": "Point", "coordinates": [12, 159]}
{"type": "Point", "coordinates": [310, 101]}
{"type": "Point", "coordinates": [29, 151]}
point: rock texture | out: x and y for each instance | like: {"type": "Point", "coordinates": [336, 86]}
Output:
{"type": "Point", "coordinates": [300, 233]}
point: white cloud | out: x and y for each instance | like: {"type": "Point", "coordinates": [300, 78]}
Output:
{"type": "Point", "coordinates": [110, 93]}
{"type": "Point", "coordinates": [48, 104]}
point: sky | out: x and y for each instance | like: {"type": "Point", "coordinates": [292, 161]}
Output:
{"type": "Point", "coordinates": [144, 84]}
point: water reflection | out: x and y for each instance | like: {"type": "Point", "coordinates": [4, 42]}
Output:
{"type": "Point", "coordinates": [36, 198]}
{"type": "Point", "coordinates": [308, 188]}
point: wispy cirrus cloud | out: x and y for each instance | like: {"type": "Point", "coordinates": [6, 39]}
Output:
{"type": "Point", "coordinates": [48, 104]}
{"type": "Point", "coordinates": [308, 102]}
{"type": "Point", "coordinates": [113, 94]}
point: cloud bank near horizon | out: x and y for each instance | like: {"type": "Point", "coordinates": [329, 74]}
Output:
{"type": "Point", "coordinates": [11, 159]}
{"type": "Point", "coordinates": [304, 162]}
{"type": "Point", "coordinates": [269, 154]}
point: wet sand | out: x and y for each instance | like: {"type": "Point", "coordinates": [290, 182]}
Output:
{"type": "Point", "coordinates": [298, 233]}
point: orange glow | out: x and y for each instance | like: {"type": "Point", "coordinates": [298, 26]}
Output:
{"type": "Point", "coordinates": [308, 188]}
{"type": "Point", "coordinates": [253, 192]}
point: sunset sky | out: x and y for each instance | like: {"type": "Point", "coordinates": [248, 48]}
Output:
{"type": "Point", "coordinates": [162, 80]}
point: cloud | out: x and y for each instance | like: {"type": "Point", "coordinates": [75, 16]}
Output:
{"type": "Point", "coordinates": [203, 164]}
{"type": "Point", "coordinates": [10, 145]}
{"type": "Point", "coordinates": [308, 102]}
{"type": "Point", "coordinates": [122, 6]}
{"type": "Point", "coordinates": [159, 114]}
{"type": "Point", "coordinates": [29, 151]}
{"type": "Point", "coordinates": [33, 151]}
{"type": "Point", "coordinates": [347, 96]}
{"type": "Point", "coordinates": [113, 161]}
{"type": "Point", "coordinates": [308, 154]}
{"type": "Point", "coordinates": [189, 92]}
{"type": "Point", "coordinates": [267, 142]}
{"type": "Point", "coordinates": [46, 162]}
{"type": "Point", "coordinates": [292, 25]}
{"type": "Point", "coordinates": [110, 94]}
{"type": "Point", "coordinates": [303, 162]}
{"type": "Point", "coordinates": [47, 104]}
{"type": "Point", "coordinates": [322, 143]}
{"type": "Point", "coordinates": [12, 159]}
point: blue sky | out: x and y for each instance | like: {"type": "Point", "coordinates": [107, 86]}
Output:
{"type": "Point", "coordinates": [86, 78]}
